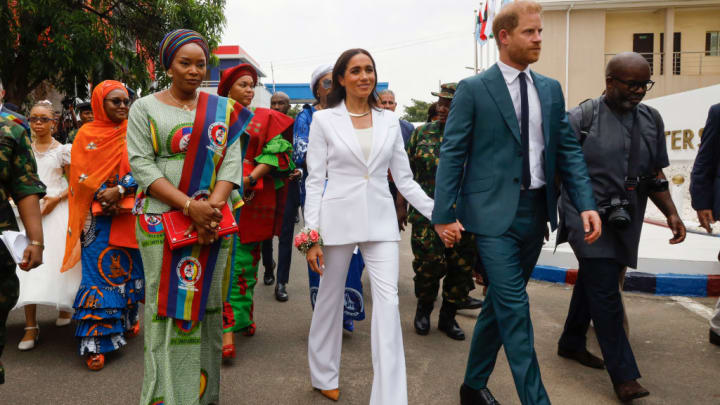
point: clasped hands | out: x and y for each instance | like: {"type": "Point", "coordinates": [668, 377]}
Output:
{"type": "Point", "coordinates": [108, 199]}
{"type": "Point", "coordinates": [206, 217]}
{"type": "Point", "coordinates": [451, 233]}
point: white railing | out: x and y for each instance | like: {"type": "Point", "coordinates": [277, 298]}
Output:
{"type": "Point", "coordinates": [693, 63]}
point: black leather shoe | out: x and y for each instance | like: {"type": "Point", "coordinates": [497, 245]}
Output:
{"type": "Point", "coordinates": [422, 317]}
{"type": "Point", "coordinates": [470, 303]}
{"type": "Point", "coordinates": [583, 357]}
{"type": "Point", "coordinates": [469, 396]}
{"type": "Point", "coordinates": [714, 338]}
{"type": "Point", "coordinates": [447, 323]}
{"type": "Point", "coordinates": [280, 292]}
{"type": "Point", "coordinates": [630, 390]}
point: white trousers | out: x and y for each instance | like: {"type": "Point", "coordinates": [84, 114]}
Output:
{"type": "Point", "coordinates": [325, 341]}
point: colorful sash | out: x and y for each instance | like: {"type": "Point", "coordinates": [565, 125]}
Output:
{"type": "Point", "coordinates": [187, 272]}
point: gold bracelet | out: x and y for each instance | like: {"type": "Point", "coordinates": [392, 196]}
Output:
{"type": "Point", "coordinates": [186, 208]}
{"type": "Point", "coordinates": [37, 243]}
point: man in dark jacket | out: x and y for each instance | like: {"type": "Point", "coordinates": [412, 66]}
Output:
{"type": "Point", "coordinates": [705, 190]}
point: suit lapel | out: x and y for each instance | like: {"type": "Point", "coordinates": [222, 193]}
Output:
{"type": "Point", "coordinates": [498, 90]}
{"type": "Point", "coordinates": [380, 125]}
{"type": "Point", "coordinates": [545, 104]}
{"type": "Point", "coordinates": [344, 129]}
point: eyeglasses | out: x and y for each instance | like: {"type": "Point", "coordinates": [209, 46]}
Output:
{"type": "Point", "coordinates": [117, 101]}
{"type": "Point", "coordinates": [636, 85]}
{"type": "Point", "coordinates": [42, 120]}
{"type": "Point", "coordinates": [326, 84]}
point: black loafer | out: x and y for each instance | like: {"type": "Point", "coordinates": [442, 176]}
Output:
{"type": "Point", "coordinates": [470, 303]}
{"type": "Point", "coordinates": [583, 357]}
{"type": "Point", "coordinates": [280, 292]}
{"type": "Point", "coordinates": [714, 338]}
{"type": "Point", "coordinates": [469, 396]}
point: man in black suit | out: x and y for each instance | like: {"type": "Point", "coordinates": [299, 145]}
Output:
{"type": "Point", "coordinates": [705, 190]}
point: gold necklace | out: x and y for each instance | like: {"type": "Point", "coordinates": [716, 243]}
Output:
{"type": "Point", "coordinates": [184, 106]}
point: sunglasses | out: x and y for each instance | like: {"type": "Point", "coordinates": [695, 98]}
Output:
{"type": "Point", "coordinates": [326, 84]}
{"type": "Point", "coordinates": [636, 85]}
{"type": "Point", "coordinates": [42, 120]}
{"type": "Point", "coordinates": [117, 101]}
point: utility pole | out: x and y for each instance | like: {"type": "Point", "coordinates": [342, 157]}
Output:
{"type": "Point", "coordinates": [272, 70]}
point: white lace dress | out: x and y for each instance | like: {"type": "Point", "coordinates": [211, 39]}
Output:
{"type": "Point", "coordinates": [45, 285]}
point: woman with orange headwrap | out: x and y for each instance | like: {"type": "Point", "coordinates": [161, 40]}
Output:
{"type": "Point", "coordinates": [100, 229]}
{"type": "Point", "coordinates": [266, 166]}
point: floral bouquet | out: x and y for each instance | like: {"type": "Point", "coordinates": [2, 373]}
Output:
{"type": "Point", "coordinates": [306, 239]}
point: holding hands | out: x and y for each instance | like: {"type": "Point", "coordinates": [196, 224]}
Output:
{"type": "Point", "coordinates": [450, 234]}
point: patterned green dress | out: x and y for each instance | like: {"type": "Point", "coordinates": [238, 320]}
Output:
{"type": "Point", "coordinates": [182, 358]}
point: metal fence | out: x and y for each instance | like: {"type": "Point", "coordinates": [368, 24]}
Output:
{"type": "Point", "coordinates": [694, 63]}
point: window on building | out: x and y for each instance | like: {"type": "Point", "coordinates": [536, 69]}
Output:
{"type": "Point", "coordinates": [712, 43]}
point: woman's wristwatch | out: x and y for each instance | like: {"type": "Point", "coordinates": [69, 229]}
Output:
{"type": "Point", "coordinates": [251, 180]}
{"type": "Point", "coordinates": [37, 243]}
{"type": "Point", "coordinates": [121, 189]}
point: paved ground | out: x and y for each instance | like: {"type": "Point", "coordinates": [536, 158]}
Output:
{"type": "Point", "coordinates": [678, 365]}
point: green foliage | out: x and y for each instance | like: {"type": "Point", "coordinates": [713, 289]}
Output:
{"type": "Point", "coordinates": [72, 42]}
{"type": "Point", "coordinates": [417, 112]}
{"type": "Point", "coordinates": [294, 110]}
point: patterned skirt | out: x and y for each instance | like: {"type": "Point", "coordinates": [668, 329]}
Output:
{"type": "Point", "coordinates": [238, 310]}
{"type": "Point", "coordinates": [112, 284]}
{"type": "Point", "coordinates": [182, 358]}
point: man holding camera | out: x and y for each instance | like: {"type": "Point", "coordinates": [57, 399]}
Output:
{"type": "Point", "coordinates": [624, 147]}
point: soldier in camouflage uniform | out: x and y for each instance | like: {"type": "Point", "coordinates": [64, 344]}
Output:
{"type": "Point", "coordinates": [432, 260]}
{"type": "Point", "coordinates": [18, 180]}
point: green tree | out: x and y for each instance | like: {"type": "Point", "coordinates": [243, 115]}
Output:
{"type": "Point", "coordinates": [69, 43]}
{"type": "Point", "coordinates": [294, 110]}
{"type": "Point", "coordinates": [417, 112]}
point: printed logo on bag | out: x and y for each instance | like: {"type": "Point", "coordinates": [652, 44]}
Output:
{"type": "Point", "coordinates": [188, 272]}
{"type": "Point", "coordinates": [115, 265]}
{"type": "Point", "coordinates": [353, 302]}
{"type": "Point", "coordinates": [218, 136]}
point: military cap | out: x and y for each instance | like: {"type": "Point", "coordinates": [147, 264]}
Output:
{"type": "Point", "coordinates": [447, 90]}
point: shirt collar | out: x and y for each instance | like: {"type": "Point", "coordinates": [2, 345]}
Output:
{"type": "Point", "coordinates": [510, 73]}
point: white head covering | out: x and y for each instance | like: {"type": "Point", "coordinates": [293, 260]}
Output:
{"type": "Point", "coordinates": [319, 72]}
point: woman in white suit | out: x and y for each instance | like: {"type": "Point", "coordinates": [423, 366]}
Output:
{"type": "Point", "coordinates": [354, 143]}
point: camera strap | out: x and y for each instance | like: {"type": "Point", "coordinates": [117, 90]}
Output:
{"type": "Point", "coordinates": [633, 173]}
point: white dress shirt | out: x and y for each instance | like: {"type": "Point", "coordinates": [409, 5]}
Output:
{"type": "Point", "coordinates": [536, 141]}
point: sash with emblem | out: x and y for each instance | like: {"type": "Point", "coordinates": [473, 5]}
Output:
{"type": "Point", "coordinates": [187, 272]}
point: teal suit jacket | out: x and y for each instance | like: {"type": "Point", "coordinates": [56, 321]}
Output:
{"type": "Point", "coordinates": [478, 178]}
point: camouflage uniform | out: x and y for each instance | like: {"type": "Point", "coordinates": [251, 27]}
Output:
{"type": "Point", "coordinates": [432, 260]}
{"type": "Point", "coordinates": [18, 179]}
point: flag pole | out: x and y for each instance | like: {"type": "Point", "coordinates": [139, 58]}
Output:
{"type": "Point", "coordinates": [475, 44]}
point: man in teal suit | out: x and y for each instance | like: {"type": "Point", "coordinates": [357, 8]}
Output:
{"type": "Point", "coordinates": [506, 140]}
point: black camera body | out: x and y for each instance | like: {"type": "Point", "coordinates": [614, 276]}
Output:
{"type": "Point", "coordinates": [616, 212]}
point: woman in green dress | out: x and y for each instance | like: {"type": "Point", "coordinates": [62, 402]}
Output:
{"type": "Point", "coordinates": [165, 138]}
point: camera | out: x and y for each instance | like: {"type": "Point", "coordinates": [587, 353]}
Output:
{"type": "Point", "coordinates": [616, 212]}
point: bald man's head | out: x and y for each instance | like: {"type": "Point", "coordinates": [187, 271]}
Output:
{"type": "Point", "coordinates": [627, 80]}
{"type": "Point", "coordinates": [280, 102]}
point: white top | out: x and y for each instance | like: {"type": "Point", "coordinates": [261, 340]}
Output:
{"type": "Point", "coordinates": [50, 167]}
{"type": "Point", "coordinates": [365, 139]}
{"type": "Point", "coordinates": [536, 141]}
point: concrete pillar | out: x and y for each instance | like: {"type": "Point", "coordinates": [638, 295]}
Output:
{"type": "Point", "coordinates": [668, 46]}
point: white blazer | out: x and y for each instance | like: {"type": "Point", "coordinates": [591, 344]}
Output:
{"type": "Point", "coordinates": [357, 205]}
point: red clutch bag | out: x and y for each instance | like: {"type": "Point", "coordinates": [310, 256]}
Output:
{"type": "Point", "coordinates": [176, 223]}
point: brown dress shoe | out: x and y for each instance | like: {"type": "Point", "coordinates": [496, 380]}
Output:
{"type": "Point", "coordinates": [630, 390]}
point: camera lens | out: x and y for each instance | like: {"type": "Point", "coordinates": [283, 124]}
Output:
{"type": "Point", "coordinates": [619, 218]}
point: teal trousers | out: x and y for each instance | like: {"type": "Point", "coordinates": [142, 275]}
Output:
{"type": "Point", "coordinates": [505, 318]}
